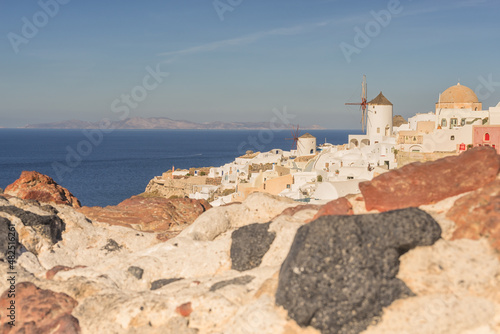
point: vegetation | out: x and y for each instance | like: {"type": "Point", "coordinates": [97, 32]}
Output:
{"type": "Point", "coordinates": [174, 197]}
{"type": "Point", "coordinates": [226, 192]}
{"type": "Point", "coordinates": [150, 194]}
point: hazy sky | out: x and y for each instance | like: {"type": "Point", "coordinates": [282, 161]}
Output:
{"type": "Point", "coordinates": [237, 60]}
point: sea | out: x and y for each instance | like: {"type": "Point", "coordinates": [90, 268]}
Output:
{"type": "Point", "coordinates": [103, 169]}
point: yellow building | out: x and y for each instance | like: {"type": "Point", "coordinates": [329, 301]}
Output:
{"type": "Point", "coordinates": [271, 186]}
{"type": "Point", "coordinates": [459, 97]}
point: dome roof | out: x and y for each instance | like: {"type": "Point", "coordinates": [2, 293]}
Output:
{"type": "Point", "coordinates": [458, 94]}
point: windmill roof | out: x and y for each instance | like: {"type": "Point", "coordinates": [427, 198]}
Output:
{"type": "Point", "coordinates": [307, 135]}
{"type": "Point", "coordinates": [380, 100]}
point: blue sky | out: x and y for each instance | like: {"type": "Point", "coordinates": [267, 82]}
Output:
{"type": "Point", "coordinates": [263, 55]}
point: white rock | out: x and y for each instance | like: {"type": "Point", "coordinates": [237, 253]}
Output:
{"type": "Point", "coordinates": [257, 208]}
{"type": "Point", "coordinates": [437, 314]}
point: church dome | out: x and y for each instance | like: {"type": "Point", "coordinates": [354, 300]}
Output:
{"type": "Point", "coordinates": [459, 94]}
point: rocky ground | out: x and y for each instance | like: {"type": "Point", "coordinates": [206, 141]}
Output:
{"type": "Point", "coordinates": [266, 265]}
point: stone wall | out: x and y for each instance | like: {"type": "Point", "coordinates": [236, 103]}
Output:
{"type": "Point", "coordinates": [175, 187]}
{"type": "Point", "coordinates": [405, 158]}
{"type": "Point", "coordinates": [214, 181]}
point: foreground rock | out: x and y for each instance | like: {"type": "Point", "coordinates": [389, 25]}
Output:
{"type": "Point", "coordinates": [249, 245]}
{"type": "Point", "coordinates": [39, 187]}
{"type": "Point", "coordinates": [457, 284]}
{"type": "Point", "coordinates": [478, 215]}
{"type": "Point", "coordinates": [221, 274]}
{"type": "Point", "coordinates": [10, 247]}
{"type": "Point", "coordinates": [341, 270]}
{"type": "Point", "coordinates": [50, 236]}
{"type": "Point", "coordinates": [257, 208]}
{"type": "Point", "coordinates": [336, 207]}
{"type": "Point", "coordinates": [39, 311]}
{"type": "Point", "coordinates": [150, 214]}
{"type": "Point", "coordinates": [417, 184]}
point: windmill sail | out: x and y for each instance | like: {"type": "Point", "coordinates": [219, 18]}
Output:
{"type": "Point", "coordinates": [363, 105]}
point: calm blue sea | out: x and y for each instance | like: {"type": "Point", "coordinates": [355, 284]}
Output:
{"type": "Point", "coordinates": [105, 171]}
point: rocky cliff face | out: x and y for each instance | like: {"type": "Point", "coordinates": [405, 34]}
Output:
{"type": "Point", "coordinates": [257, 267]}
{"type": "Point", "coordinates": [174, 187]}
{"type": "Point", "coordinates": [150, 214]}
{"type": "Point", "coordinates": [39, 187]}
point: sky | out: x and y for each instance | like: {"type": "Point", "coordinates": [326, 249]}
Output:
{"type": "Point", "coordinates": [240, 60]}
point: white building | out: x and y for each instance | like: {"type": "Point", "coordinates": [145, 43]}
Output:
{"type": "Point", "coordinates": [306, 145]}
{"type": "Point", "coordinates": [458, 110]}
{"type": "Point", "coordinates": [379, 123]}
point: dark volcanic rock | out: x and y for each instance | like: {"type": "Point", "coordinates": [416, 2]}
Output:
{"type": "Point", "coordinates": [162, 282]}
{"type": "Point", "coordinates": [9, 241]}
{"type": "Point", "coordinates": [137, 272]}
{"type": "Point", "coordinates": [112, 246]}
{"type": "Point", "coordinates": [39, 311]}
{"type": "Point", "coordinates": [424, 183]}
{"type": "Point", "coordinates": [249, 245]}
{"type": "Point", "coordinates": [50, 227]}
{"type": "Point", "coordinates": [243, 280]}
{"type": "Point", "coordinates": [341, 270]}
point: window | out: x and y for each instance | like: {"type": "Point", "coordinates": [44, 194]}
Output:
{"type": "Point", "coordinates": [287, 186]}
{"type": "Point", "coordinates": [312, 151]}
{"type": "Point", "coordinates": [452, 137]}
{"type": "Point", "coordinates": [378, 130]}
{"type": "Point", "coordinates": [453, 122]}
{"type": "Point", "coordinates": [462, 122]}
{"type": "Point", "coordinates": [486, 136]}
{"type": "Point", "coordinates": [350, 177]}
{"type": "Point", "coordinates": [443, 122]}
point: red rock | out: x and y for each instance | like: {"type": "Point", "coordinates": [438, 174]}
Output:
{"type": "Point", "coordinates": [478, 215]}
{"type": "Point", "coordinates": [36, 186]}
{"type": "Point", "coordinates": [340, 206]}
{"type": "Point", "coordinates": [425, 183]}
{"type": "Point", "coordinates": [184, 309]}
{"type": "Point", "coordinates": [39, 311]}
{"type": "Point", "coordinates": [52, 272]}
{"type": "Point", "coordinates": [294, 209]}
{"type": "Point", "coordinates": [150, 214]}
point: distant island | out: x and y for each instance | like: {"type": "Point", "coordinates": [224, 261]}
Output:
{"type": "Point", "coordinates": [164, 123]}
